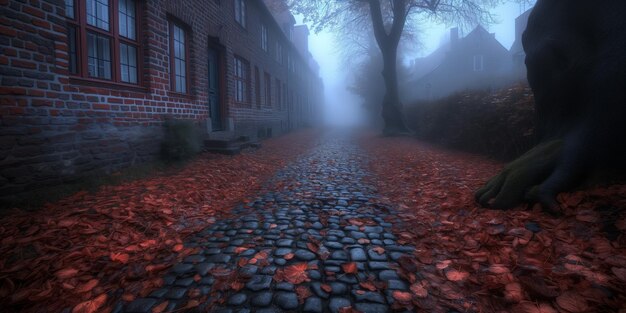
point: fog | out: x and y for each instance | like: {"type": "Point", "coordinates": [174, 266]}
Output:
{"type": "Point", "coordinates": [343, 108]}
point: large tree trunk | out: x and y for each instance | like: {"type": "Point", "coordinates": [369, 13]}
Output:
{"type": "Point", "coordinates": [391, 106]}
{"type": "Point", "coordinates": [388, 44]}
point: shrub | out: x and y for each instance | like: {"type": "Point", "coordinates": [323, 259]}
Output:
{"type": "Point", "coordinates": [180, 141]}
{"type": "Point", "coordinates": [499, 124]}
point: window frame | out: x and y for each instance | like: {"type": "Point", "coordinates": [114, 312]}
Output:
{"type": "Point", "coordinates": [241, 8]}
{"type": "Point", "coordinates": [264, 38]}
{"type": "Point", "coordinates": [78, 21]}
{"type": "Point", "coordinates": [244, 80]}
{"type": "Point", "coordinates": [257, 86]}
{"type": "Point", "coordinates": [171, 23]}
{"type": "Point", "coordinates": [268, 89]}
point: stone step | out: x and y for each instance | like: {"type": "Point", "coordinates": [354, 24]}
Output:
{"type": "Point", "coordinates": [230, 146]}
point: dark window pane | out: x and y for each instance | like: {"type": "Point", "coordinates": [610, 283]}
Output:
{"type": "Point", "coordinates": [128, 63]}
{"type": "Point", "coordinates": [180, 64]}
{"type": "Point", "coordinates": [127, 18]}
{"type": "Point", "coordinates": [99, 56]}
{"type": "Point", "coordinates": [98, 13]}
{"type": "Point", "coordinates": [69, 8]}
{"type": "Point", "coordinates": [73, 57]}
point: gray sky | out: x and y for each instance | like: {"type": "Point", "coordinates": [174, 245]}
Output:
{"type": "Point", "coordinates": [343, 108]}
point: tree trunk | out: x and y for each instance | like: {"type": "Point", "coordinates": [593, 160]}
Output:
{"type": "Point", "coordinates": [391, 106]}
{"type": "Point", "coordinates": [388, 44]}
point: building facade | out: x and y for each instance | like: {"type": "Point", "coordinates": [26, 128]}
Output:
{"type": "Point", "coordinates": [477, 60]}
{"type": "Point", "coordinates": [86, 84]}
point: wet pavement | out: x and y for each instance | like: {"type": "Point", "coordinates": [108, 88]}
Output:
{"type": "Point", "coordinates": [319, 217]}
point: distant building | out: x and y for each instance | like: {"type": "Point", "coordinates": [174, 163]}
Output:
{"type": "Point", "coordinates": [477, 60]}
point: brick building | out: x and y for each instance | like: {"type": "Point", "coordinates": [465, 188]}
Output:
{"type": "Point", "coordinates": [86, 84]}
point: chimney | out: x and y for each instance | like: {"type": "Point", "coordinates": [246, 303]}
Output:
{"type": "Point", "coordinates": [454, 37]}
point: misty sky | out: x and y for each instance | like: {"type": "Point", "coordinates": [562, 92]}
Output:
{"type": "Point", "coordinates": [342, 107]}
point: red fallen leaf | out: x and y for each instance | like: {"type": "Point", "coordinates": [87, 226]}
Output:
{"type": "Point", "coordinates": [424, 256]}
{"type": "Point", "coordinates": [303, 292]}
{"type": "Point", "coordinates": [368, 285]}
{"type": "Point", "coordinates": [261, 255]}
{"type": "Point", "coordinates": [350, 268]}
{"type": "Point", "coordinates": [92, 283]}
{"type": "Point", "coordinates": [379, 250]}
{"type": "Point", "coordinates": [178, 248]}
{"type": "Point", "coordinates": [419, 290]}
{"type": "Point", "coordinates": [90, 306]}
{"type": "Point", "coordinates": [296, 274]}
{"type": "Point", "coordinates": [240, 249]}
{"type": "Point", "coordinates": [132, 248]}
{"type": "Point", "coordinates": [197, 278]}
{"type": "Point", "coordinates": [443, 264]}
{"type": "Point", "coordinates": [326, 288]}
{"type": "Point", "coordinates": [242, 262]}
{"type": "Point", "coordinates": [360, 292]}
{"type": "Point", "coordinates": [160, 308]}
{"type": "Point", "coordinates": [313, 247]}
{"type": "Point", "coordinates": [450, 292]}
{"type": "Point", "coordinates": [363, 241]}
{"type": "Point", "coordinates": [148, 243]}
{"type": "Point", "coordinates": [455, 275]}
{"type": "Point", "coordinates": [119, 257]}
{"type": "Point", "coordinates": [66, 273]}
{"type": "Point", "coordinates": [531, 307]}
{"type": "Point", "coordinates": [288, 256]}
{"type": "Point", "coordinates": [156, 267]}
{"type": "Point", "coordinates": [572, 302]}
{"type": "Point", "coordinates": [192, 304]}
{"type": "Point", "coordinates": [237, 285]}
{"type": "Point", "coordinates": [272, 226]}
{"type": "Point", "coordinates": [513, 292]}
{"type": "Point", "coordinates": [498, 269]}
{"type": "Point", "coordinates": [348, 309]}
{"type": "Point", "coordinates": [402, 296]}
{"type": "Point", "coordinates": [128, 297]}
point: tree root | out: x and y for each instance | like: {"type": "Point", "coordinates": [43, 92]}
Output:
{"type": "Point", "coordinates": [520, 180]}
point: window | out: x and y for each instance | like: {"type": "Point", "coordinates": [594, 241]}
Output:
{"type": "Point", "coordinates": [264, 38]}
{"type": "Point", "coordinates": [268, 90]}
{"type": "Point", "coordinates": [279, 95]}
{"type": "Point", "coordinates": [178, 57]}
{"type": "Point", "coordinates": [279, 52]}
{"type": "Point", "coordinates": [69, 8]}
{"type": "Point", "coordinates": [284, 104]}
{"type": "Point", "coordinates": [241, 80]}
{"type": "Point", "coordinates": [240, 12]}
{"type": "Point", "coordinates": [478, 63]}
{"type": "Point", "coordinates": [98, 50]}
{"type": "Point", "coordinates": [257, 86]}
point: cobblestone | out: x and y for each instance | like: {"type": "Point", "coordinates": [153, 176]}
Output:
{"type": "Point", "coordinates": [311, 201]}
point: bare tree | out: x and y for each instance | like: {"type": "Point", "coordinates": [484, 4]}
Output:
{"type": "Point", "coordinates": [387, 19]}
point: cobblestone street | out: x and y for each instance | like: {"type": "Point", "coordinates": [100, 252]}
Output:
{"type": "Point", "coordinates": [319, 218]}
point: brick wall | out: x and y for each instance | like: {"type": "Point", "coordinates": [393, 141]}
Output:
{"type": "Point", "coordinates": [55, 127]}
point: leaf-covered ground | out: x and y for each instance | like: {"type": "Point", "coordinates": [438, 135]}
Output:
{"type": "Point", "coordinates": [479, 260]}
{"type": "Point", "coordinates": [73, 252]}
